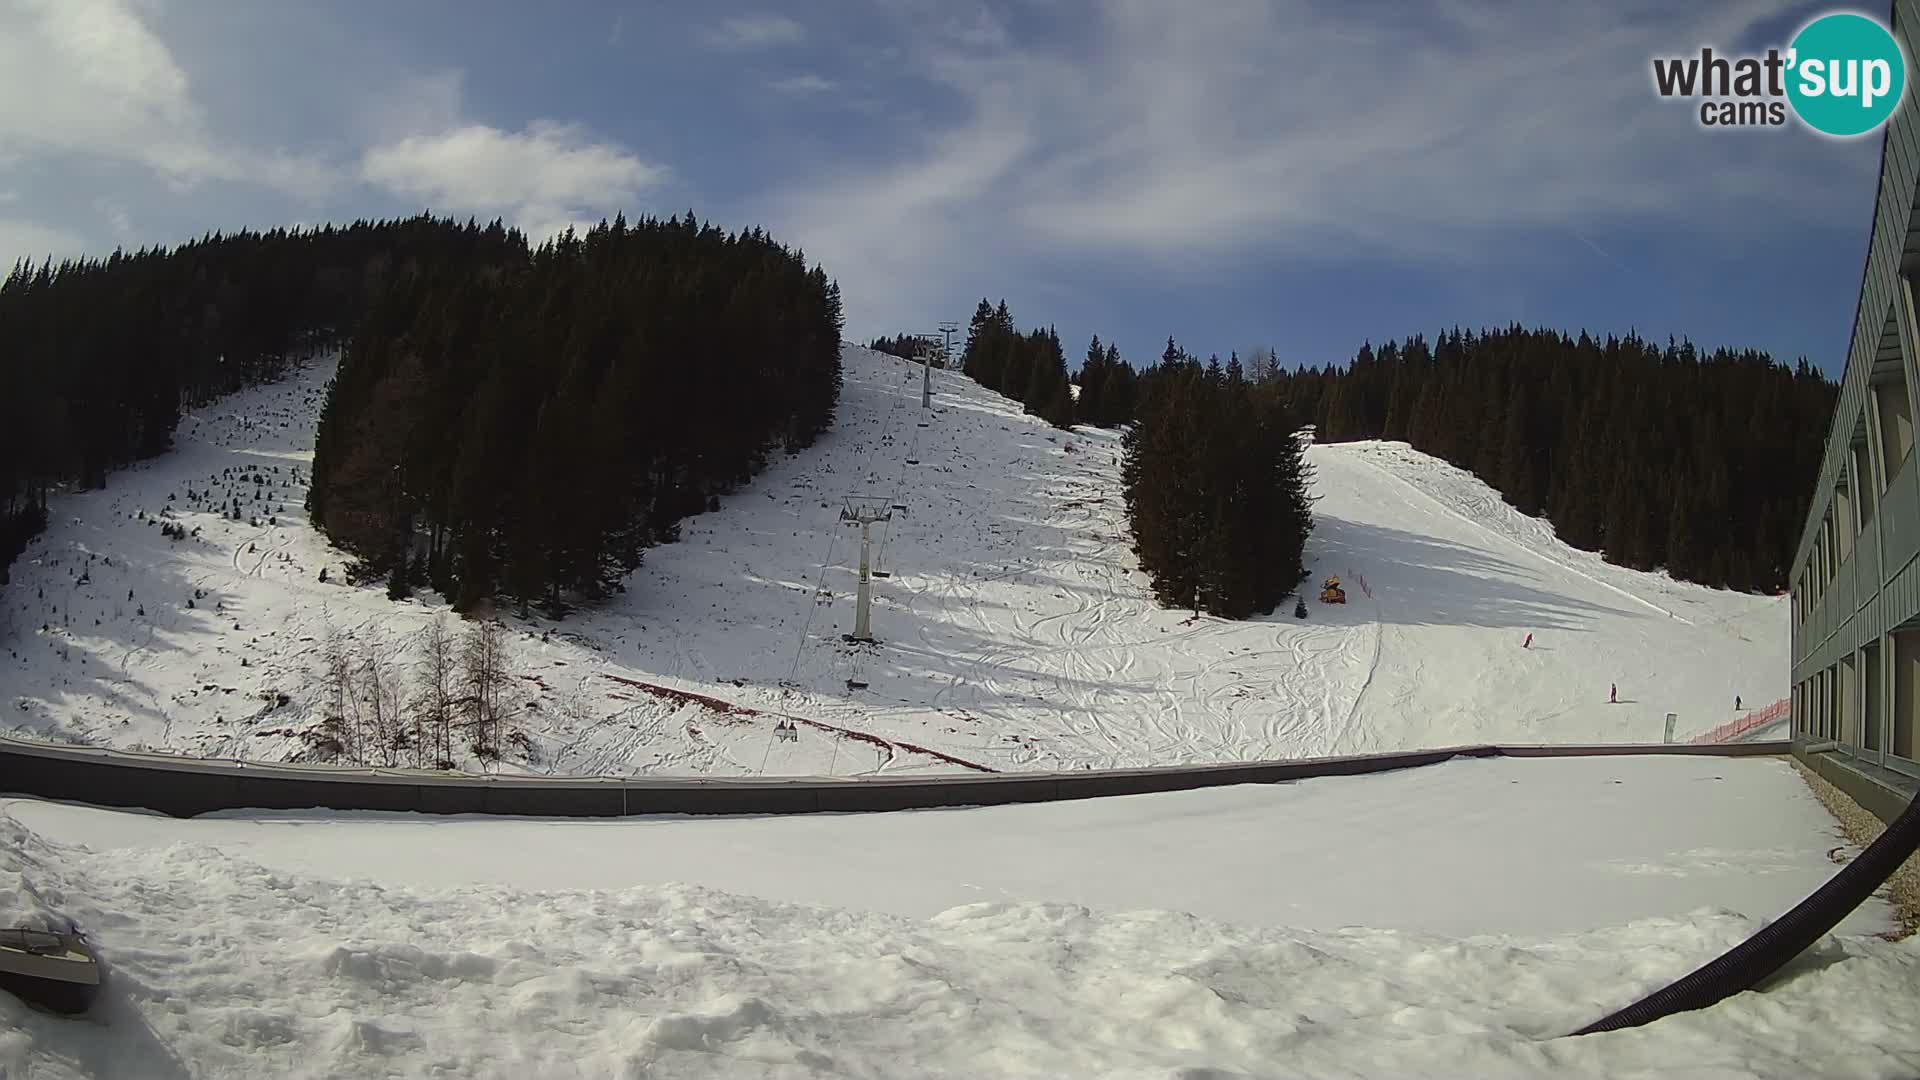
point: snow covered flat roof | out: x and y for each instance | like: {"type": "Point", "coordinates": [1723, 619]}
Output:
{"type": "Point", "coordinates": [189, 786]}
{"type": "Point", "coordinates": [1535, 846]}
{"type": "Point", "coordinates": [1450, 921]}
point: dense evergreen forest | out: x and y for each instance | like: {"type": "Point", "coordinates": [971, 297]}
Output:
{"type": "Point", "coordinates": [1214, 481]}
{"type": "Point", "coordinates": [1031, 368]}
{"type": "Point", "coordinates": [905, 346]}
{"type": "Point", "coordinates": [98, 357]}
{"type": "Point", "coordinates": [1216, 487]}
{"type": "Point", "coordinates": [525, 429]}
{"type": "Point", "coordinates": [1108, 387]}
{"type": "Point", "coordinates": [1701, 463]}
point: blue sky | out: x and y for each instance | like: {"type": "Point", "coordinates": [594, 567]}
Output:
{"type": "Point", "coordinates": [1231, 172]}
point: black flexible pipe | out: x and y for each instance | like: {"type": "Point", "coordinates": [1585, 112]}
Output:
{"type": "Point", "coordinates": [1744, 965]}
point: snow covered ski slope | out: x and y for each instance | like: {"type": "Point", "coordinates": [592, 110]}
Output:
{"type": "Point", "coordinates": [1451, 580]}
{"type": "Point", "coordinates": [1017, 632]}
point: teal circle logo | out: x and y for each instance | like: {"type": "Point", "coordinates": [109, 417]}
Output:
{"type": "Point", "coordinates": [1846, 74]}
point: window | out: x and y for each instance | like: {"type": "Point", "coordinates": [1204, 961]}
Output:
{"type": "Point", "coordinates": [1846, 712]}
{"type": "Point", "coordinates": [1845, 526]}
{"type": "Point", "coordinates": [1865, 486]}
{"type": "Point", "coordinates": [1896, 424]}
{"type": "Point", "coordinates": [1870, 697]}
{"type": "Point", "coordinates": [1906, 692]}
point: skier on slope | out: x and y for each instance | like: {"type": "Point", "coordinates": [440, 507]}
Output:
{"type": "Point", "coordinates": [1613, 693]}
{"type": "Point", "coordinates": [1527, 644]}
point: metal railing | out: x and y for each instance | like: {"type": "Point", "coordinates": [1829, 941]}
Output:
{"type": "Point", "coordinates": [184, 787]}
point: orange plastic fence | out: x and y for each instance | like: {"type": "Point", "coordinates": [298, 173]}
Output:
{"type": "Point", "coordinates": [1758, 718]}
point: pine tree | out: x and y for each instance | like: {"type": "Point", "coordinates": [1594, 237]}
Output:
{"type": "Point", "coordinates": [1680, 541]}
{"type": "Point", "coordinates": [1040, 372]}
{"type": "Point", "coordinates": [398, 588]}
{"type": "Point", "coordinates": [1215, 488]}
{"type": "Point", "coordinates": [1515, 470]}
{"type": "Point", "coordinates": [1059, 408]}
{"type": "Point", "coordinates": [977, 359]}
{"type": "Point", "coordinates": [1093, 381]}
{"type": "Point", "coordinates": [1118, 391]}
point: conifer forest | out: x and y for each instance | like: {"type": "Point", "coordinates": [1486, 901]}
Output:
{"type": "Point", "coordinates": [1700, 463]}
{"type": "Point", "coordinates": [99, 357]}
{"type": "Point", "coordinates": [527, 431]}
{"type": "Point", "coordinates": [505, 421]}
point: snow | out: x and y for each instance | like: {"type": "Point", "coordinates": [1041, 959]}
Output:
{"type": "Point", "coordinates": [1197, 934]}
{"type": "Point", "coordinates": [1457, 579]}
{"type": "Point", "coordinates": [1542, 846]}
{"type": "Point", "coordinates": [1452, 920]}
{"type": "Point", "coordinates": [1017, 630]}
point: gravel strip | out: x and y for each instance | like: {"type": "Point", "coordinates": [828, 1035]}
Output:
{"type": "Point", "coordinates": [1861, 827]}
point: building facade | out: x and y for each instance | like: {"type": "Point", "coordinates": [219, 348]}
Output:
{"type": "Point", "coordinates": [1856, 581]}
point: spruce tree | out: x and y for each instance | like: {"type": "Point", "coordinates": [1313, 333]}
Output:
{"type": "Point", "coordinates": [976, 360]}
{"type": "Point", "coordinates": [398, 588]}
{"type": "Point", "coordinates": [1118, 390]}
{"type": "Point", "coordinates": [1093, 380]}
{"type": "Point", "coordinates": [1215, 488]}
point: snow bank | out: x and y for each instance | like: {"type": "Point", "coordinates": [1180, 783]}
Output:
{"type": "Point", "coordinates": [23, 866]}
{"type": "Point", "coordinates": [221, 967]}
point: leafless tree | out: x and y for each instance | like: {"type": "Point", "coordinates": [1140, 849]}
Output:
{"type": "Point", "coordinates": [484, 675]}
{"type": "Point", "coordinates": [339, 694]}
{"type": "Point", "coordinates": [434, 697]}
{"type": "Point", "coordinates": [1262, 364]}
{"type": "Point", "coordinates": [379, 707]}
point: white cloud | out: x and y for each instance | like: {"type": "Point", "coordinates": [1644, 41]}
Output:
{"type": "Point", "coordinates": [870, 226]}
{"type": "Point", "coordinates": [119, 220]}
{"type": "Point", "coordinates": [34, 242]}
{"type": "Point", "coordinates": [542, 178]}
{"type": "Point", "coordinates": [88, 77]}
{"type": "Point", "coordinates": [91, 91]}
{"type": "Point", "coordinates": [799, 85]}
{"type": "Point", "coordinates": [757, 31]}
{"type": "Point", "coordinates": [1183, 133]}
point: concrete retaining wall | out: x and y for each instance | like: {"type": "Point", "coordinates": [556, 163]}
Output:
{"type": "Point", "coordinates": [184, 787]}
{"type": "Point", "coordinates": [1881, 792]}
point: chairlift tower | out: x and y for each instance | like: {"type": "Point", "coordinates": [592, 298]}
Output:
{"type": "Point", "coordinates": [925, 344]}
{"type": "Point", "coordinates": [947, 330]}
{"type": "Point", "coordinates": [867, 511]}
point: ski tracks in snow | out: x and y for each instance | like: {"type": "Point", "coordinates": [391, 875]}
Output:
{"type": "Point", "coordinates": [1484, 508]}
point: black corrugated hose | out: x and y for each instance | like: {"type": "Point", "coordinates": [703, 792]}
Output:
{"type": "Point", "coordinates": [1746, 964]}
